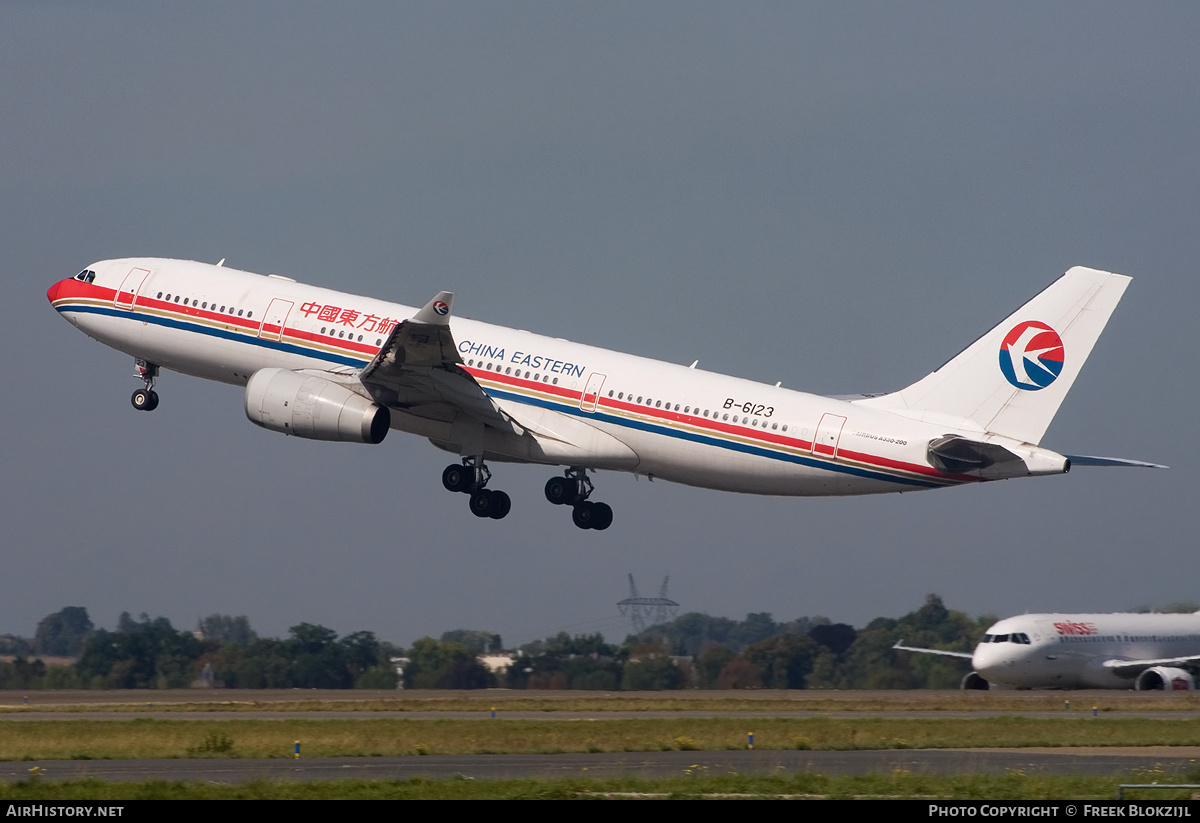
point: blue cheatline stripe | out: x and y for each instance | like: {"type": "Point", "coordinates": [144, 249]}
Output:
{"type": "Point", "coordinates": [708, 440]}
{"type": "Point", "coordinates": [237, 337]}
{"type": "Point", "coordinates": [562, 408]}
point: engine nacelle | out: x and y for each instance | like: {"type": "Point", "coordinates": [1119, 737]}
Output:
{"type": "Point", "coordinates": [314, 408]}
{"type": "Point", "coordinates": [974, 682]}
{"type": "Point", "coordinates": [1165, 678]}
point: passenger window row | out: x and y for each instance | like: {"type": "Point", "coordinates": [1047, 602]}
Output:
{"type": "Point", "coordinates": [658, 404]}
{"type": "Point", "coordinates": [187, 301]}
{"type": "Point", "coordinates": [341, 333]}
{"type": "Point", "coordinates": [489, 366]}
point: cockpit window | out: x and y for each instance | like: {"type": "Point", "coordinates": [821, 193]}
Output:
{"type": "Point", "coordinates": [1016, 637]}
{"type": "Point", "coordinates": [85, 276]}
{"type": "Point", "coordinates": [1019, 637]}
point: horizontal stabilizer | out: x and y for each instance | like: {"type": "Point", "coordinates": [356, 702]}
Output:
{"type": "Point", "coordinates": [1088, 460]}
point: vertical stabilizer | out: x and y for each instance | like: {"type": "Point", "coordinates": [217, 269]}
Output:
{"type": "Point", "coordinates": [1012, 380]}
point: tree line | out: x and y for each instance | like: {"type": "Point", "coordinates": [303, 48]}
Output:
{"type": "Point", "coordinates": [692, 651]}
{"type": "Point", "coordinates": [700, 651]}
{"type": "Point", "coordinates": [151, 654]}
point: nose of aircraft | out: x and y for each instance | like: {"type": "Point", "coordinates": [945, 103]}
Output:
{"type": "Point", "coordinates": [989, 658]}
{"type": "Point", "coordinates": [52, 292]}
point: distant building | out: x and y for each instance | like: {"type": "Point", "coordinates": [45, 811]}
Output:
{"type": "Point", "coordinates": [497, 664]}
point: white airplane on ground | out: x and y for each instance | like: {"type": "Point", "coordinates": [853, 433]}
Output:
{"type": "Point", "coordinates": [1084, 651]}
{"type": "Point", "coordinates": [325, 365]}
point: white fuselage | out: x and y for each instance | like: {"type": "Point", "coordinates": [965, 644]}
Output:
{"type": "Point", "coordinates": [1069, 651]}
{"type": "Point", "coordinates": [669, 421]}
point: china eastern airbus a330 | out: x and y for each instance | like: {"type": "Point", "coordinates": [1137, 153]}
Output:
{"type": "Point", "coordinates": [326, 365]}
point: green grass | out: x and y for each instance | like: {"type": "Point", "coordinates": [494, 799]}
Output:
{"type": "Point", "coordinates": [149, 738]}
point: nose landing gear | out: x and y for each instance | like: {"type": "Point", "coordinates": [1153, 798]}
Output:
{"type": "Point", "coordinates": [145, 399]}
{"type": "Point", "coordinates": [575, 488]}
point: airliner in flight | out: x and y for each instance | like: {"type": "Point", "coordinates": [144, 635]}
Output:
{"type": "Point", "coordinates": [1085, 651]}
{"type": "Point", "coordinates": [327, 365]}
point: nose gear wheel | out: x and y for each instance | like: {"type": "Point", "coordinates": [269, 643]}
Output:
{"type": "Point", "coordinates": [145, 399]}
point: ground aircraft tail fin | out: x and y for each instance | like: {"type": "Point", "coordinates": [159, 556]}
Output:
{"type": "Point", "coordinates": [1012, 380]}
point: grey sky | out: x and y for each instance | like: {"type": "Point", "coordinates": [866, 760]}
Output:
{"type": "Point", "coordinates": [838, 196]}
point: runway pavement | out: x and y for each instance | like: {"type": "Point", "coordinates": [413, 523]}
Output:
{"type": "Point", "coordinates": [797, 700]}
{"type": "Point", "coordinates": [614, 764]}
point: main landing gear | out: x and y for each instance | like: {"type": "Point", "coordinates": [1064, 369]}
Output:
{"type": "Point", "coordinates": [145, 399]}
{"type": "Point", "coordinates": [470, 477]}
{"type": "Point", "coordinates": [575, 488]}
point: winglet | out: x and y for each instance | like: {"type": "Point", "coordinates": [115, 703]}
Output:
{"type": "Point", "coordinates": [429, 348]}
{"type": "Point", "coordinates": [437, 311]}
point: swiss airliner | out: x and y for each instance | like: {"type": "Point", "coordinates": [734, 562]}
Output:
{"type": "Point", "coordinates": [1085, 651]}
{"type": "Point", "coordinates": [325, 365]}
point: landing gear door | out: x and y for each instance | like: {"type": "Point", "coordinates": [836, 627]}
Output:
{"type": "Point", "coordinates": [591, 392]}
{"type": "Point", "coordinates": [829, 432]}
{"type": "Point", "coordinates": [273, 321]}
{"type": "Point", "coordinates": [128, 292]}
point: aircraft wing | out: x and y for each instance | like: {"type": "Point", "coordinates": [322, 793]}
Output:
{"type": "Point", "coordinates": [1132, 668]}
{"type": "Point", "coordinates": [900, 645]}
{"type": "Point", "coordinates": [418, 371]}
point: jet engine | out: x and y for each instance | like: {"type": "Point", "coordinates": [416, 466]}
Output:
{"type": "Point", "coordinates": [313, 407]}
{"type": "Point", "coordinates": [1164, 678]}
{"type": "Point", "coordinates": [974, 682]}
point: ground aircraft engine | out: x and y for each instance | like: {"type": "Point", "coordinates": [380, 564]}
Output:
{"type": "Point", "coordinates": [313, 407]}
{"type": "Point", "coordinates": [1164, 678]}
{"type": "Point", "coordinates": [974, 682]}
